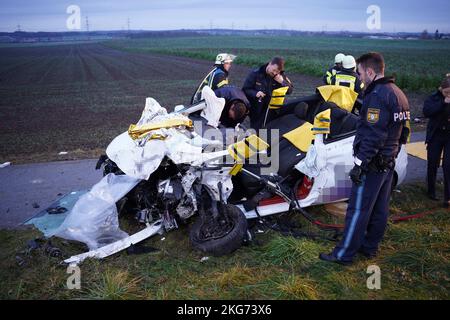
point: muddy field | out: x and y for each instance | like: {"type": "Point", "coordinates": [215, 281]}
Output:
{"type": "Point", "coordinates": [76, 98]}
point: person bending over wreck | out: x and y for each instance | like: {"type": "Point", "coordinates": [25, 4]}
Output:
{"type": "Point", "coordinates": [236, 106]}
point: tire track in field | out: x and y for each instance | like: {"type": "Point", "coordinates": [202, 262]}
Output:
{"type": "Point", "coordinates": [49, 66]}
{"type": "Point", "coordinates": [66, 73]}
{"type": "Point", "coordinates": [88, 75]}
{"type": "Point", "coordinates": [12, 75]}
{"type": "Point", "coordinates": [60, 63]}
{"type": "Point", "coordinates": [114, 72]}
{"type": "Point", "coordinates": [145, 65]}
{"type": "Point", "coordinates": [117, 67]}
{"type": "Point", "coordinates": [158, 66]}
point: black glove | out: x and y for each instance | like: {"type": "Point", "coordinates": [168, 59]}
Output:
{"type": "Point", "coordinates": [356, 174]}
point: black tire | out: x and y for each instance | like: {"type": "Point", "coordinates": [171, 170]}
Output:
{"type": "Point", "coordinates": [226, 244]}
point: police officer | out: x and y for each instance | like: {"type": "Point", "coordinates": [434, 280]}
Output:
{"type": "Point", "coordinates": [338, 59]}
{"type": "Point", "coordinates": [347, 76]}
{"type": "Point", "coordinates": [236, 105]}
{"type": "Point", "coordinates": [217, 77]}
{"type": "Point", "coordinates": [380, 132]}
{"type": "Point", "coordinates": [258, 87]}
{"type": "Point", "coordinates": [437, 109]}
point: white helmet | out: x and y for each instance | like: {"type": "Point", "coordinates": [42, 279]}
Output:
{"type": "Point", "coordinates": [349, 62]}
{"type": "Point", "coordinates": [339, 58]}
{"type": "Point", "coordinates": [224, 58]}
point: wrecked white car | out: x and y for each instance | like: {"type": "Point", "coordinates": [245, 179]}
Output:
{"type": "Point", "coordinates": [171, 168]}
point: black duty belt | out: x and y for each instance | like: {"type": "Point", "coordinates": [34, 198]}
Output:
{"type": "Point", "coordinates": [381, 163]}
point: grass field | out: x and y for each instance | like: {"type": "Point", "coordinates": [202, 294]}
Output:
{"type": "Point", "coordinates": [414, 263]}
{"type": "Point", "coordinates": [418, 64]}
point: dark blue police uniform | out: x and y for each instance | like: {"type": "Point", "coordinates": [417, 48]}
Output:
{"type": "Point", "coordinates": [380, 132]}
{"type": "Point", "coordinates": [437, 140]}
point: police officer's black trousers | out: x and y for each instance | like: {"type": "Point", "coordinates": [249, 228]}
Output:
{"type": "Point", "coordinates": [439, 142]}
{"type": "Point", "coordinates": [366, 217]}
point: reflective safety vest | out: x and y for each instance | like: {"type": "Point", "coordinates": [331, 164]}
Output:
{"type": "Point", "coordinates": [215, 79]}
{"type": "Point", "coordinates": [330, 73]}
{"type": "Point", "coordinates": [347, 80]}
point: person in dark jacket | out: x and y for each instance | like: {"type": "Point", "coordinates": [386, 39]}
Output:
{"type": "Point", "coordinates": [258, 87]}
{"type": "Point", "coordinates": [217, 77]}
{"type": "Point", "coordinates": [236, 105]}
{"type": "Point", "coordinates": [381, 130]}
{"type": "Point", "coordinates": [437, 109]}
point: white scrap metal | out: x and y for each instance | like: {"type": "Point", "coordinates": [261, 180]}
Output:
{"type": "Point", "coordinates": [94, 217]}
{"type": "Point", "coordinates": [117, 246]}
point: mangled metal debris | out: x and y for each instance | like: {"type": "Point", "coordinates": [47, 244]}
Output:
{"type": "Point", "coordinates": [169, 171]}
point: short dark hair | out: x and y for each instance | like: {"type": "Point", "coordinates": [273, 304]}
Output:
{"type": "Point", "coordinates": [372, 60]}
{"type": "Point", "coordinates": [279, 61]}
{"type": "Point", "coordinates": [446, 82]}
{"type": "Point", "coordinates": [239, 108]}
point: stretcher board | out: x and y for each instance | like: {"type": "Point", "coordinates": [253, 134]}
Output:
{"type": "Point", "coordinates": [417, 149]}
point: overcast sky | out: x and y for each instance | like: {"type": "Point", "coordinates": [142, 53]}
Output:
{"type": "Point", "coordinates": [315, 15]}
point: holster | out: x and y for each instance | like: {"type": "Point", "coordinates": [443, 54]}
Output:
{"type": "Point", "coordinates": [381, 163]}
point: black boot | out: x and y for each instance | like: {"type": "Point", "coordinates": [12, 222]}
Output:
{"type": "Point", "coordinates": [331, 258]}
{"type": "Point", "coordinates": [367, 255]}
{"type": "Point", "coordinates": [432, 196]}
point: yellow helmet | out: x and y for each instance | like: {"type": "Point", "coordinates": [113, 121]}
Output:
{"type": "Point", "coordinates": [224, 58]}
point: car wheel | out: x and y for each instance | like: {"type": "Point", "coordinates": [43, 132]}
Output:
{"type": "Point", "coordinates": [221, 237]}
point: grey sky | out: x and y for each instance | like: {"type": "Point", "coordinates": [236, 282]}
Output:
{"type": "Point", "coordinates": [50, 15]}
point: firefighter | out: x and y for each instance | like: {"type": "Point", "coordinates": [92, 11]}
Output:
{"type": "Point", "coordinates": [236, 105]}
{"type": "Point", "coordinates": [258, 87]}
{"type": "Point", "coordinates": [217, 77]}
{"type": "Point", "coordinates": [347, 76]}
{"type": "Point", "coordinates": [338, 59]}
{"type": "Point", "coordinates": [437, 109]}
{"type": "Point", "coordinates": [382, 128]}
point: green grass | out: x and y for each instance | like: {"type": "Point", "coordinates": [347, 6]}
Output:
{"type": "Point", "coordinates": [414, 262]}
{"type": "Point", "coordinates": [419, 65]}
{"type": "Point", "coordinates": [115, 285]}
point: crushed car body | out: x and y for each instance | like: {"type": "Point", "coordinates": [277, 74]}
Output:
{"type": "Point", "coordinates": [164, 169]}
